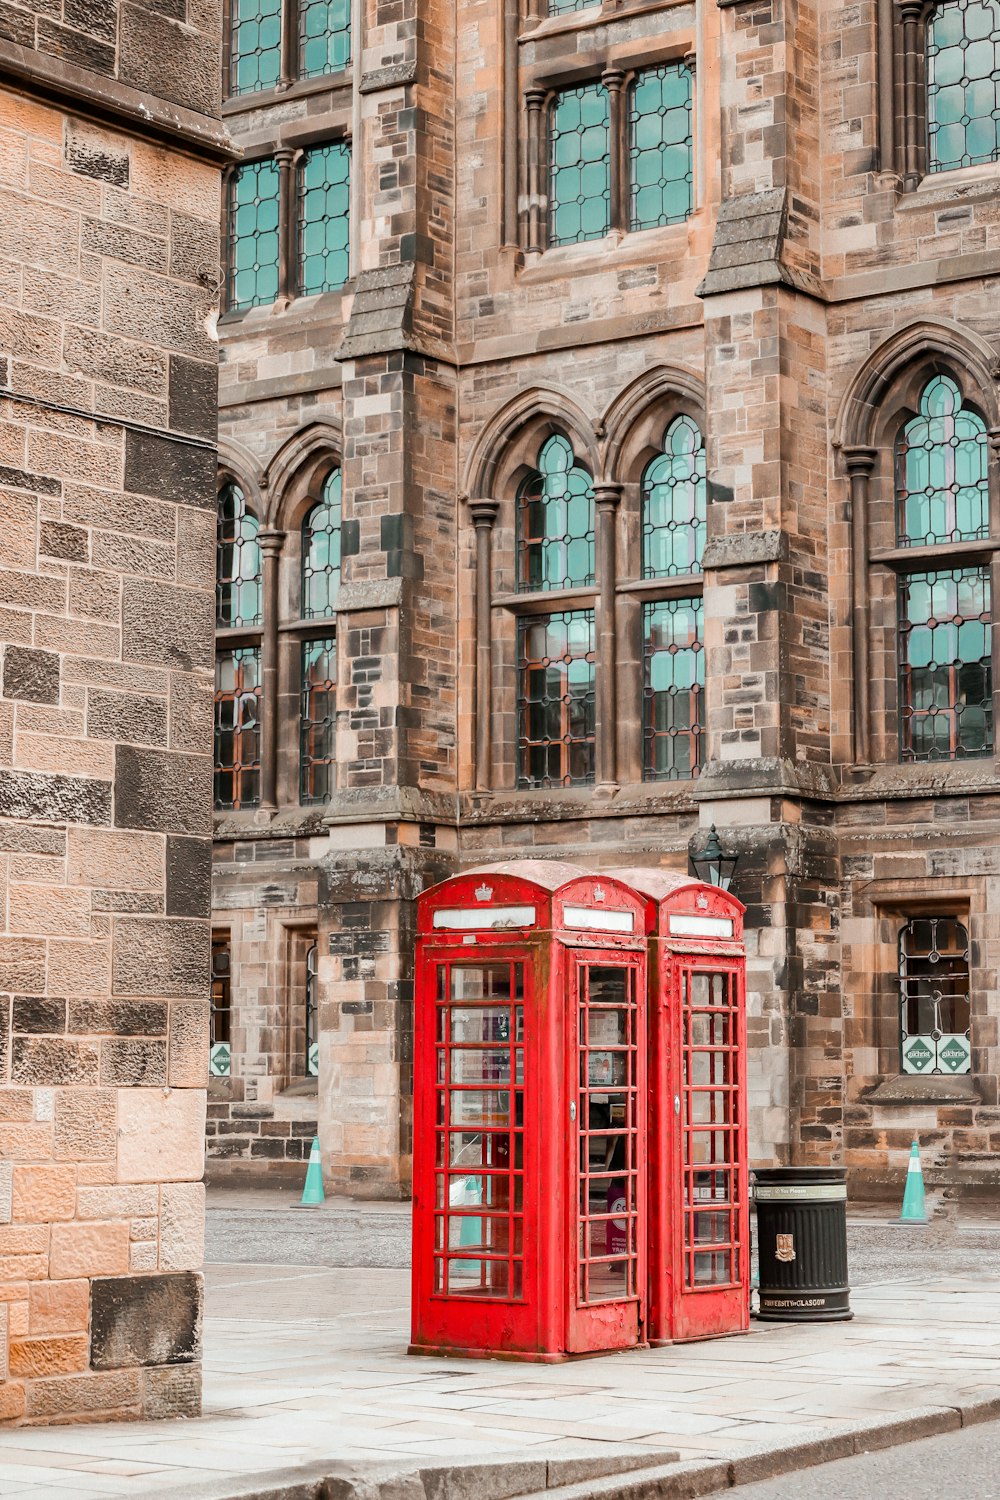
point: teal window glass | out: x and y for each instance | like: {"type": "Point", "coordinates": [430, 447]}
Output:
{"type": "Point", "coordinates": [935, 1008]}
{"type": "Point", "coordinates": [555, 515]}
{"type": "Point", "coordinates": [674, 688]}
{"type": "Point", "coordinates": [237, 728]}
{"type": "Point", "coordinates": [945, 669]}
{"type": "Point", "coordinates": [253, 236]}
{"type": "Point", "coordinates": [579, 165]}
{"type": "Point", "coordinates": [317, 720]}
{"type": "Point", "coordinates": [324, 218]}
{"type": "Point", "coordinates": [556, 702]}
{"type": "Point", "coordinates": [255, 49]}
{"type": "Point", "coordinates": [566, 7]}
{"type": "Point", "coordinates": [237, 563]}
{"type": "Point", "coordinates": [321, 552]}
{"type": "Point", "coordinates": [942, 486]}
{"type": "Point", "coordinates": [324, 37]}
{"type": "Point", "coordinates": [963, 84]}
{"type": "Point", "coordinates": [673, 503]}
{"type": "Point", "coordinates": [659, 146]}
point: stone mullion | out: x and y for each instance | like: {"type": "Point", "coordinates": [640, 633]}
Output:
{"type": "Point", "coordinates": [484, 514]}
{"type": "Point", "coordinates": [287, 287]}
{"type": "Point", "coordinates": [289, 44]}
{"type": "Point", "coordinates": [913, 14]}
{"type": "Point", "coordinates": [614, 80]}
{"type": "Point", "coordinates": [607, 498]}
{"type": "Point", "coordinates": [535, 105]}
{"type": "Point", "coordinates": [270, 546]}
{"type": "Point", "coordinates": [859, 463]}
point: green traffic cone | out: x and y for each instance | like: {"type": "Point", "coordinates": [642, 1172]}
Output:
{"type": "Point", "coordinates": [914, 1209]}
{"type": "Point", "coordinates": [312, 1193]}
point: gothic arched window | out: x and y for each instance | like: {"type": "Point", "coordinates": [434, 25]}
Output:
{"type": "Point", "coordinates": [555, 512]}
{"type": "Point", "coordinates": [318, 663]}
{"type": "Point", "coordinates": [945, 611]}
{"type": "Point", "coordinates": [673, 539]}
{"type": "Point", "coordinates": [238, 654]}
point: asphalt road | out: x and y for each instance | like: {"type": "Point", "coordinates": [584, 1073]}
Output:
{"type": "Point", "coordinates": [965, 1463]}
{"type": "Point", "coordinates": [378, 1235]}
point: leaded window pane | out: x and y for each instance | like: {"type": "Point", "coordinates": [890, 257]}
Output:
{"type": "Point", "coordinates": [566, 7]}
{"type": "Point", "coordinates": [237, 562]}
{"type": "Point", "coordinates": [324, 37]}
{"type": "Point", "coordinates": [317, 721]}
{"type": "Point", "coordinates": [674, 689]}
{"type": "Point", "coordinates": [255, 48]}
{"type": "Point", "coordinates": [659, 146]}
{"type": "Point", "coordinates": [945, 670]}
{"type": "Point", "coordinates": [556, 704]}
{"type": "Point", "coordinates": [963, 84]}
{"type": "Point", "coordinates": [673, 503]}
{"type": "Point", "coordinates": [942, 488]}
{"type": "Point", "coordinates": [237, 728]}
{"type": "Point", "coordinates": [579, 165]}
{"type": "Point", "coordinates": [321, 552]}
{"type": "Point", "coordinates": [935, 1009]}
{"type": "Point", "coordinates": [220, 1051]}
{"type": "Point", "coordinates": [324, 218]}
{"type": "Point", "coordinates": [253, 235]}
{"type": "Point", "coordinates": [556, 521]}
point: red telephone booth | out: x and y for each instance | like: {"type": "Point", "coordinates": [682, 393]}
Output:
{"type": "Point", "coordinates": [530, 1114]}
{"type": "Point", "coordinates": [698, 1180]}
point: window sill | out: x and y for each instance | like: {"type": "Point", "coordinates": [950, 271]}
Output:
{"type": "Point", "coordinates": [323, 307]}
{"type": "Point", "coordinates": [909, 1089]}
{"type": "Point", "coordinates": [511, 804]}
{"type": "Point", "coordinates": [614, 251]}
{"type": "Point", "coordinates": [962, 184]}
{"type": "Point", "coordinates": [547, 601]}
{"type": "Point", "coordinates": [302, 88]}
{"type": "Point", "coordinates": [594, 15]}
{"type": "Point", "coordinates": [940, 555]}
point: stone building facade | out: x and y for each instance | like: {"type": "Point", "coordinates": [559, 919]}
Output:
{"type": "Point", "coordinates": [111, 148]}
{"type": "Point", "coordinates": [609, 421]}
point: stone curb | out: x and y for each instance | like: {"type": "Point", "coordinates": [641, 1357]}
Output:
{"type": "Point", "coordinates": [658, 1476]}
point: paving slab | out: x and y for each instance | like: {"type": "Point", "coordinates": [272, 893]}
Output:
{"type": "Point", "coordinates": [308, 1369]}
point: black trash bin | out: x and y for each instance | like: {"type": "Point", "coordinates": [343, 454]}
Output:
{"type": "Point", "coordinates": [802, 1244]}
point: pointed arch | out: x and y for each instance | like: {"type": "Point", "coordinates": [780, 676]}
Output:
{"type": "Point", "coordinates": [542, 408]}
{"type": "Point", "coordinates": [295, 474]}
{"type": "Point", "coordinates": [637, 417]}
{"type": "Point", "coordinates": [926, 346]}
{"type": "Point", "coordinates": [237, 465]}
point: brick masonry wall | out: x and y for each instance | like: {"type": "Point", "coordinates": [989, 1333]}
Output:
{"type": "Point", "coordinates": [107, 462]}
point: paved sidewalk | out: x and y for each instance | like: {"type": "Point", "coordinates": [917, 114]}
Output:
{"type": "Point", "coordinates": [304, 1365]}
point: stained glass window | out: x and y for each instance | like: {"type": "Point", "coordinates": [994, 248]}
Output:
{"type": "Point", "coordinates": [324, 218]}
{"type": "Point", "coordinates": [237, 562]}
{"type": "Point", "coordinates": [579, 165]}
{"type": "Point", "coordinates": [321, 552]}
{"type": "Point", "coordinates": [556, 705]}
{"type": "Point", "coordinates": [673, 503]}
{"type": "Point", "coordinates": [556, 521]}
{"type": "Point", "coordinates": [317, 721]}
{"type": "Point", "coordinates": [220, 1050]}
{"type": "Point", "coordinates": [935, 1011]}
{"type": "Point", "coordinates": [945, 671]}
{"type": "Point", "coordinates": [255, 48]}
{"type": "Point", "coordinates": [324, 36]}
{"type": "Point", "coordinates": [941, 475]}
{"type": "Point", "coordinates": [254, 212]}
{"type": "Point", "coordinates": [659, 146]}
{"type": "Point", "coordinates": [674, 688]}
{"type": "Point", "coordinates": [963, 84]}
{"type": "Point", "coordinates": [237, 728]}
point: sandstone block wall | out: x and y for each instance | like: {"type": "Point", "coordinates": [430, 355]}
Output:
{"type": "Point", "coordinates": [107, 463]}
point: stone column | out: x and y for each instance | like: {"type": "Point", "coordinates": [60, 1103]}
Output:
{"type": "Point", "coordinates": [913, 14]}
{"type": "Point", "coordinates": [537, 230]}
{"type": "Point", "coordinates": [287, 250]}
{"type": "Point", "coordinates": [484, 514]}
{"type": "Point", "coordinates": [271, 543]}
{"type": "Point", "coordinates": [859, 463]}
{"type": "Point", "coordinates": [607, 498]}
{"type": "Point", "coordinates": [613, 80]}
